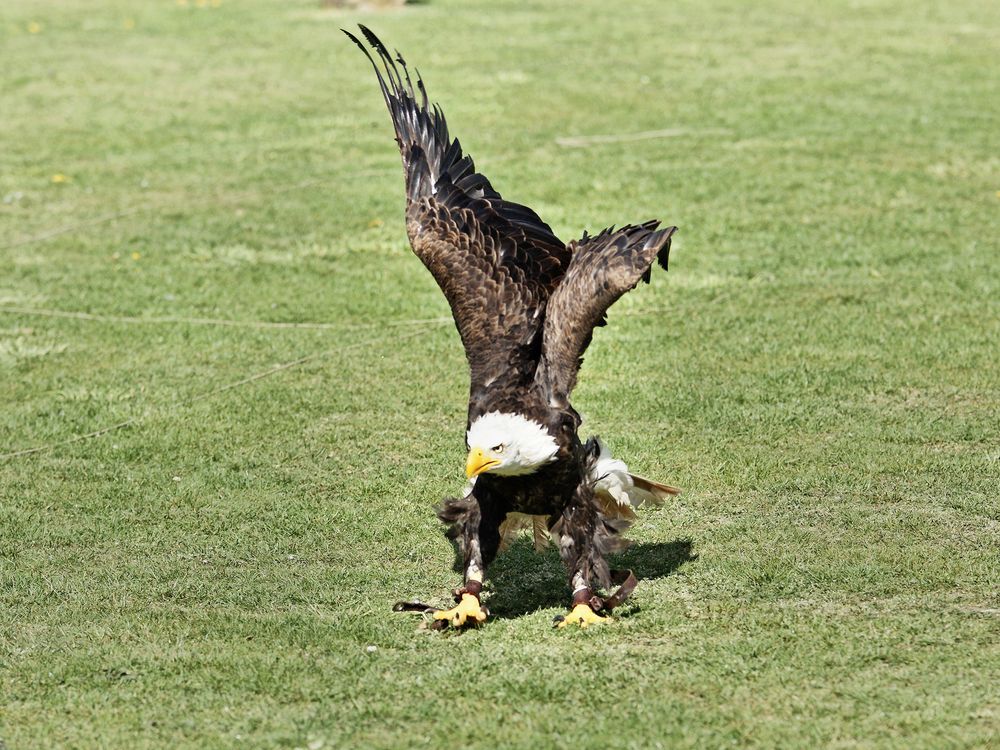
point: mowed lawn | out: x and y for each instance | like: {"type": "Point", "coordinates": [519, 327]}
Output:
{"type": "Point", "coordinates": [202, 259]}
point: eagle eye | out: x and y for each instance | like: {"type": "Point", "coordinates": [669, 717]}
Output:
{"type": "Point", "coordinates": [497, 448]}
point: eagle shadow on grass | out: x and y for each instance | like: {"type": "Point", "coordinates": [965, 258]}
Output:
{"type": "Point", "coordinates": [524, 581]}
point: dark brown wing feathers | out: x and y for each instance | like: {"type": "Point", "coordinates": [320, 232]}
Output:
{"type": "Point", "coordinates": [514, 288]}
{"type": "Point", "coordinates": [421, 131]}
{"type": "Point", "coordinates": [603, 268]}
{"type": "Point", "coordinates": [432, 160]}
{"type": "Point", "coordinates": [496, 261]}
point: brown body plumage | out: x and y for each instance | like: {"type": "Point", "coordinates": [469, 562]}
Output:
{"type": "Point", "coordinates": [525, 305]}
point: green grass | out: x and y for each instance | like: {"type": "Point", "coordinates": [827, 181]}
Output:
{"type": "Point", "coordinates": [819, 371]}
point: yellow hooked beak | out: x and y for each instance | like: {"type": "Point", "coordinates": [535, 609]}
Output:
{"type": "Point", "coordinates": [478, 462]}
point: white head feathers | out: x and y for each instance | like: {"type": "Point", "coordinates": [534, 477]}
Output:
{"type": "Point", "coordinates": [520, 445]}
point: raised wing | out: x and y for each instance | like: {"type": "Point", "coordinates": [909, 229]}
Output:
{"type": "Point", "coordinates": [603, 268]}
{"type": "Point", "coordinates": [496, 261]}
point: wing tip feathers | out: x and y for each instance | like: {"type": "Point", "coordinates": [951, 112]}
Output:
{"type": "Point", "coordinates": [665, 237]}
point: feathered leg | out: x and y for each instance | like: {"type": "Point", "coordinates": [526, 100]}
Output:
{"type": "Point", "coordinates": [474, 526]}
{"type": "Point", "coordinates": [585, 538]}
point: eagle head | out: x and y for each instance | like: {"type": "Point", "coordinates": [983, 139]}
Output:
{"type": "Point", "coordinates": [508, 445]}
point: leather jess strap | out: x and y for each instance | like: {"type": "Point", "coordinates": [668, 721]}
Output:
{"type": "Point", "coordinates": [626, 581]}
{"type": "Point", "coordinates": [414, 606]}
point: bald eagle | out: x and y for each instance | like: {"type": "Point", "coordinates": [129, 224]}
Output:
{"type": "Point", "coordinates": [525, 305]}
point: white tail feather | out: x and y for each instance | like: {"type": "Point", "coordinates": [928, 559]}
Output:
{"type": "Point", "coordinates": [621, 492]}
{"type": "Point", "coordinates": [660, 491]}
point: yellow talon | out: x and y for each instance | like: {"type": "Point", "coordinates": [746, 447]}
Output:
{"type": "Point", "coordinates": [466, 610]}
{"type": "Point", "coordinates": [581, 615]}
